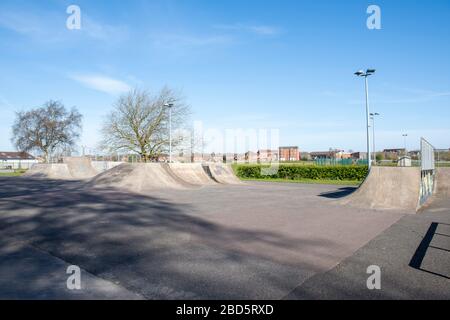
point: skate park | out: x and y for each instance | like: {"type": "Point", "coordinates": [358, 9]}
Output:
{"type": "Point", "coordinates": [195, 231]}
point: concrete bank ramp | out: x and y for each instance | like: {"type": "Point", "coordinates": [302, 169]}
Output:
{"type": "Point", "coordinates": [102, 166]}
{"type": "Point", "coordinates": [192, 173]}
{"type": "Point", "coordinates": [72, 168]}
{"type": "Point", "coordinates": [223, 174]}
{"type": "Point", "coordinates": [56, 171]}
{"type": "Point", "coordinates": [80, 167]}
{"type": "Point", "coordinates": [140, 178]}
{"type": "Point", "coordinates": [388, 188]}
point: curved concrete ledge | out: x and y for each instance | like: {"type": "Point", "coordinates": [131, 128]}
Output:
{"type": "Point", "coordinates": [388, 188]}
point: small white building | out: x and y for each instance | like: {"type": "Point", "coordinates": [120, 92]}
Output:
{"type": "Point", "coordinates": [404, 162]}
{"type": "Point", "coordinates": [16, 160]}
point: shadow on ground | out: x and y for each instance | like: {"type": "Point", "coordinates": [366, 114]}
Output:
{"type": "Point", "coordinates": [340, 193]}
{"type": "Point", "coordinates": [145, 244]}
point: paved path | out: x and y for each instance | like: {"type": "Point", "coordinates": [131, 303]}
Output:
{"type": "Point", "coordinates": [255, 241]}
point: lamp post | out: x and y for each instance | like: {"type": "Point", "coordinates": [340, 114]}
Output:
{"type": "Point", "coordinates": [366, 74]}
{"type": "Point", "coordinates": [404, 138]}
{"type": "Point", "coordinates": [372, 116]}
{"type": "Point", "coordinates": [170, 106]}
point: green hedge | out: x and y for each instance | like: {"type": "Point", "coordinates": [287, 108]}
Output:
{"type": "Point", "coordinates": [298, 172]}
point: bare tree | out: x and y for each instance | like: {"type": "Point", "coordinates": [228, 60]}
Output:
{"type": "Point", "coordinates": [140, 123]}
{"type": "Point", "coordinates": [46, 128]}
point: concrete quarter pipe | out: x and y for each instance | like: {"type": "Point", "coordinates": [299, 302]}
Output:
{"type": "Point", "coordinates": [71, 169]}
{"type": "Point", "coordinates": [388, 188]}
{"type": "Point", "coordinates": [57, 171]}
{"type": "Point", "coordinates": [223, 174]}
{"type": "Point", "coordinates": [192, 173]}
{"type": "Point", "coordinates": [443, 182]}
{"type": "Point", "coordinates": [80, 168]}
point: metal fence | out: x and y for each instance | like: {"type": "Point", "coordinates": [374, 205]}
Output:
{"type": "Point", "coordinates": [427, 155]}
{"type": "Point", "coordinates": [16, 165]}
{"type": "Point", "coordinates": [428, 170]}
{"type": "Point", "coordinates": [340, 162]}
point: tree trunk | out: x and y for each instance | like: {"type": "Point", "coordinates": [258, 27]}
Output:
{"type": "Point", "coordinates": [46, 158]}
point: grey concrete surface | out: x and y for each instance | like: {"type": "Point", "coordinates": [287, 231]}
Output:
{"type": "Point", "coordinates": [26, 272]}
{"type": "Point", "coordinates": [388, 188]}
{"type": "Point", "coordinates": [413, 254]}
{"type": "Point", "coordinates": [255, 241]}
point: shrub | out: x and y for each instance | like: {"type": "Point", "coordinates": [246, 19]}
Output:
{"type": "Point", "coordinates": [298, 172]}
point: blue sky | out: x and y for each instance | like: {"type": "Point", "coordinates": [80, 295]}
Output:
{"type": "Point", "coordinates": [240, 64]}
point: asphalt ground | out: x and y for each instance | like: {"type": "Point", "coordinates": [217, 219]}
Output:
{"type": "Point", "coordinates": [255, 241]}
{"type": "Point", "coordinates": [413, 256]}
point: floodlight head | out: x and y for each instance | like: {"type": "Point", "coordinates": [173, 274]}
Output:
{"type": "Point", "coordinates": [359, 73]}
{"type": "Point", "coordinates": [370, 71]}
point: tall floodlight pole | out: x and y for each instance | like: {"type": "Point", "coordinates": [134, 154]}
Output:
{"type": "Point", "coordinates": [170, 106]}
{"type": "Point", "coordinates": [366, 74]}
{"type": "Point", "coordinates": [404, 138]}
{"type": "Point", "coordinates": [372, 116]}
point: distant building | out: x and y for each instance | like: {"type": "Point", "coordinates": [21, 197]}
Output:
{"type": "Point", "coordinates": [316, 155]}
{"type": "Point", "coordinates": [404, 161]}
{"type": "Point", "coordinates": [267, 155]}
{"type": "Point", "coordinates": [415, 154]}
{"type": "Point", "coordinates": [395, 151]}
{"type": "Point", "coordinates": [305, 156]}
{"type": "Point", "coordinates": [359, 155]}
{"type": "Point", "coordinates": [342, 155]}
{"type": "Point", "coordinates": [16, 160]}
{"type": "Point", "coordinates": [289, 154]}
{"type": "Point", "coordinates": [393, 154]}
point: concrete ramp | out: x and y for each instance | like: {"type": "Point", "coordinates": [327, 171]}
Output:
{"type": "Point", "coordinates": [388, 188]}
{"type": "Point", "coordinates": [140, 178]}
{"type": "Point", "coordinates": [192, 173]}
{"type": "Point", "coordinates": [71, 169]}
{"type": "Point", "coordinates": [443, 182]}
{"type": "Point", "coordinates": [56, 171]}
{"type": "Point", "coordinates": [80, 167]}
{"type": "Point", "coordinates": [223, 174]}
{"type": "Point", "coordinates": [102, 166]}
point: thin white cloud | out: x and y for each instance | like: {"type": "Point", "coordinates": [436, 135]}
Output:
{"type": "Point", "coordinates": [262, 30]}
{"type": "Point", "coordinates": [48, 26]}
{"type": "Point", "coordinates": [189, 41]}
{"type": "Point", "coordinates": [103, 32]}
{"type": "Point", "coordinates": [26, 24]}
{"type": "Point", "coordinates": [102, 83]}
{"type": "Point", "coordinates": [404, 96]}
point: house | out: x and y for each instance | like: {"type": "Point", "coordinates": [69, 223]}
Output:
{"type": "Point", "coordinates": [289, 154]}
{"type": "Point", "coordinates": [342, 155]}
{"type": "Point", "coordinates": [16, 160]}
{"type": "Point", "coordinates": [398, 150]}
{"type": "Point", "coordinates": [321, 155]}
{"type": "Point", "coordinates": [359, 155]}
{"type": "Point", "coordinates": [267, 155]}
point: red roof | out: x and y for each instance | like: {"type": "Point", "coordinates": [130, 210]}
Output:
{"type": "Point", "coordinates": [16, 156]}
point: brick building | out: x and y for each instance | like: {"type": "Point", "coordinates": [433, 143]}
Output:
{"type": "Point", "coordinates": [289, 154]}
